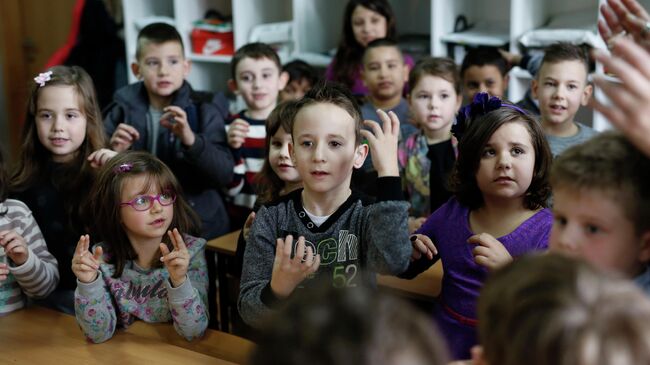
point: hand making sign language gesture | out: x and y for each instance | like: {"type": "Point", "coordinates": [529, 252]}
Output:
{"type": "Point", "coordinates": [175, 119]}
{"type": "Point", "coordinates": [289, 272]}
{"type": "Point", "coordinates": [178, 260]}
{"type": "Point", "coordinates": [85, 264]}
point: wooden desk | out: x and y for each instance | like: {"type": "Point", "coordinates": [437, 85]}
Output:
{"type": "Point", "coordinates": [225, 248]}
{"type": "Point", "coordinates": [424, 287]}
{"type": "Point", "coordinates": [41, 336]}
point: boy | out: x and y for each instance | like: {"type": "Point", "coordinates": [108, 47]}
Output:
{"type": "Point", "coordinates": [338, 235]}
{"type": "Point", "coordinates": [257, 77]}
{"type": "Point", "coordinates": [484, 70]}
{"type": "Point", "coordinates": [602, 206]}
{"type": "Point", "coordinates": [302, 77]}
{"type": "Point", "coordinates": [561, 87]}
{"type": "Point", "coordinates": [184, 128]}
{"type": "Point", "coordinates": [384, 73]}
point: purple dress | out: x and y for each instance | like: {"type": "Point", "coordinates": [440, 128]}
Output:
{"type": "Point", "coordinates": [448, 227]}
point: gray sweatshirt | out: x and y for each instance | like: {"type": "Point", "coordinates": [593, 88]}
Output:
{"type": "Point", "coordinates": [360, 239]}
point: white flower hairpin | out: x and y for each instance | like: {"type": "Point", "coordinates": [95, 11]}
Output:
{"type": "Point", "coordinates": [43, 77]}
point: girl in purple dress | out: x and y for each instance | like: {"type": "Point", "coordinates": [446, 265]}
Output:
{"type": "Point", "coordinates": [498, 211]}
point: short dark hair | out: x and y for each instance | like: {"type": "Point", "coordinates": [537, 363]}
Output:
{"type": "Point", "coordinates": [610, 163]}
{"type": "Point", "coordinates": [336, 94]}
{"type": "Point", "coordinates": [445, 68]}
{"type": "Point", "coordinates": [470, 149]}
{"type": "Point", "coordinates": [256, 50]}
{"type": "Point", "coordinates": [157, 33]}
{"type": "Point", "coordinates": [299, 70]}
{"type": "Point", "coordinates": [326, 325]}
{"type": "Point", "coordinates": [563, 51]}
{"type": "Point", "coordinates": [381, 42]}
{"type": "Point", "coordinates": [484, 56]}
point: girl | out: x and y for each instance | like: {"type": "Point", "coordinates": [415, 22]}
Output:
{"type": "Point", "coordinates": [427, 157]}
{"type": "Point", "coordinates": [138, 271]}
{"type": "Point", "coordinates": [27, 269]}
{"type": "Point", "coordinates": [363, 22]}
{"type": "Point", "coordinates": [501, 189]}
{"type": "Point", "coordinates": [278, 176]}
{"type": "Point", "coordinates": [53, 175]}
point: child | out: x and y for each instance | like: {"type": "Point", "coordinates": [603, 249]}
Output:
{"type": "Point", "coordinates": [484, 70]}
{"type": "Point", "coordinates": [163, 115]}
{"type": "Point", "coordinates": [348, 326]}
{"type": "Point", "coordinates": [257, 77]}
{"type": "Point", "coordinates": [427, 157]}
{"type": "Point", "coordinates": [278, 176]}
{"type": "Point", "coordinates": [27, 269]}
{"type": "Point", "coordinates": [548, 309]}
{"type": "Point", "coordinates": [302, 77]}
{"type": "Point", "coordinates": [339, 235]}
{"type": "Point", "coordinates": [132, 274]}
{"type": "Point", "coordinates": [601, 192]}
{"type": "Point", "coordinates": [53, 175]}
{"type": "Point", "coordinates": [561, 87]}
{"type": "Point", "coordinates": [363, 22]}
{"type": "Point", "coordinates": [384, 74]}
{"type": "Point", "coordinates": [498, 211]}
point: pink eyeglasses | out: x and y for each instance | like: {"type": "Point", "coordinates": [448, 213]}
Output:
{"type": "Point", "coordinates": [145, 202]}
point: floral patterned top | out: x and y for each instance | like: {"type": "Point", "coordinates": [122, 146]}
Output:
{"type": "Point", "coordinates": [146, 294]}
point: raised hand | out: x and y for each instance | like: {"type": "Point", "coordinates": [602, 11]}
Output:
{"type": "Point", "coordinates": [15, 246]}
{"type": "Point", "coordinates": [84, 264]}
{"type": "Point", "coordinates": [624, 16]}
{"type": "Point", "coordinates": [178, 260]}
{"type": "Point", "coordinates": [422, 245]}
{"type": "Point", "coordinates": [123, 137]}
{"type": "Point", "coordinates": [383, 143]}
{"type": "Point", "coordinates": [489, 252]}
{"type": "Point", "coordinates": [247, 225]}
{"type": "Point", "coordinates": [237, 133]}
{"type": "Point", "coordinates": [98, 158]}
{"type": "Point", "coordinates": [289, 272]}
{"type": "Point", "coordinates": [175, 119]}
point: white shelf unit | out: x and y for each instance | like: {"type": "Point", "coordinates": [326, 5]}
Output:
{"type": "Point", "coordinates": [317, 26]}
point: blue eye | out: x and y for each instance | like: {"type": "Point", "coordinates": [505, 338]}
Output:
{"type": "Point", "coordinates": [141, 201]}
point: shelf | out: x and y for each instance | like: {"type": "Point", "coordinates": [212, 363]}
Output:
{"type": "Point", "coordinates": [210, 58]}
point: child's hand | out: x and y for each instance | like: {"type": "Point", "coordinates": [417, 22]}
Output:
{"type": "Point", "coordinates": [123, 137]}
{"type": "Point", "coordinates": [176, 261]}
{"type": "Point", "coordinates": [489, 252]}
{"type": "Point", "coordinates": [4, 272]}
{"type": "Point", "coordinates": [288, 272]}
{"type": "Point", "coordinates": [422, 245]}
{"type": "Point", "coordinates": [175, 119]}
{"type": "Point", "coordinates": [383, 143]}
{"type": "Point", "coordinates": [98, 158]}
{"type": "Point", "coordinates": [247, 225]}
{"type": "Point", "coordinates": [237, 133]}
{"type": "Point", "coordinates": [624, 17]}
{"type": "Point", "coordinates": [85, 264]}
{"type": "Point", "coordinates": [416, 223]}
{"type": "Point", "coordinates": [15, 246]}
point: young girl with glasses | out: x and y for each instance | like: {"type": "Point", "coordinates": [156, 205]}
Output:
{"type": "Point", "coordinates": [150, 265]}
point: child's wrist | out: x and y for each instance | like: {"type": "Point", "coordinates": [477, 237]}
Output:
{"type": "Point", "coordinates": [177, 282]}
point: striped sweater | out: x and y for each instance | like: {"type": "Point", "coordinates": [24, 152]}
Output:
{"type": "Point", "coordinates": [39, 275]}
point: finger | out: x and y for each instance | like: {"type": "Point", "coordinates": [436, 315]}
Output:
{"type": "Point", "coordinates": [481, 251]}
{"type": "Point", "coordinates": [613, 115]}
{"type": "Point", "coordinates": [288, 243]}
{"type": "Point", "coordinates": [612, 21]}
{"type": "Point", "coordinates": [368, 136]}
{"type": "Point", "coordinates": [130, 130]}
{"type": "Point", "coordinates": [172, 238]}
{"type": "Point", "coordinates": [164, 250]}
{"type": "Point", "coordinates": [299, 255]}
{"type": "Point", "coordinates": [632, 53]}
{"type": "Point", "coordinates": [309, 257]}
{"type": "Point", "coordinates": [82, 245]}
{"type": "Point", "coordinates": [635, 8]}
{"type": "Point", "coordinates": [124, 135]}
{"type": "Point", "coordinates": [99, 251]}
{"type": "Point", "coordinates": [314, 266]}
{"type": "Point", "coordinates": [482, 260]}
{"type": "Point", "coordinates": [415, 255]}
{"type": "Point", "coordinates": [279, 250]}
{"type": "Point", "coordinates": [88, 262]}
{"type": "Point", "coordinates": [15, 247]}
{"type": "Point", "coordinates": [394, 123]}
{"type": "Point", "coordinates": [180, 243]}
{"type": "Point", "coordinates": [249, 220]}
{"type": "Point", "coordinates": [428, 243]}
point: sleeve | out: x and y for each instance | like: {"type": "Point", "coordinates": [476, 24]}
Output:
{"type": "Point", "coordinates": [386, 229]}
{"type": "Point", "coordinates": [39, 275]}
{"type": "Point", "coordinates": [255, 298]}
{"type": "Point", "coordinates": [187, 303]}
{"type": "Point", "coordinates": [532, 63]}
{"type": "Point", "coordinates": [210, 154]}
{"type": "Point", "coordinates": [94, 310]}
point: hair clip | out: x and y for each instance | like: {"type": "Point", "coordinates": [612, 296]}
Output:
{"type": "Point", "coordinates": [125, 167]}
{"type": "Point", "coordinates": [482, 104]}
{"type": "Point", "coordinates": [43, 77]}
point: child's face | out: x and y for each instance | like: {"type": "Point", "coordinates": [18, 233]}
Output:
{"type": "Point", "coordinates": [434, 103]}
{"type": "Point", "coordinates": [486, 78]}
{"type": "Point", "coordinates": [368, 25]}
{"type": "Point", "coordinates": [148, 224]}
{"type": "Point", "coordinates": [507, 163]}
{"type": "Point", "coordinates": [592, 225]}
{"type": "Point", "coordinates": [60, 121]}
{"type": "Point", "coordinates": [561, 88]}
{"type": "Point", "coordinates": [384, 72]}
{"type": "Point", "coordinates": [295, 90]}
{"type": "Point", "coordinates": [162, 67]}
{"type": "Point", "coordinates": [280, 159]}
{"type": "Point", "coordinates": [324, 149]}
{"type": "Point", "coordinates": [259, 82]}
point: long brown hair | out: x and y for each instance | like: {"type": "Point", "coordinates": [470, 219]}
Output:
{"type": "Point", "coordinates": [77, 175]}
{"type": "Point", "coordinates": [105, 199]}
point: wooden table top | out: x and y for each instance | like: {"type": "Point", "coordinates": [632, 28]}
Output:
{"type": "Point", "coordinates": [43, 336]}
